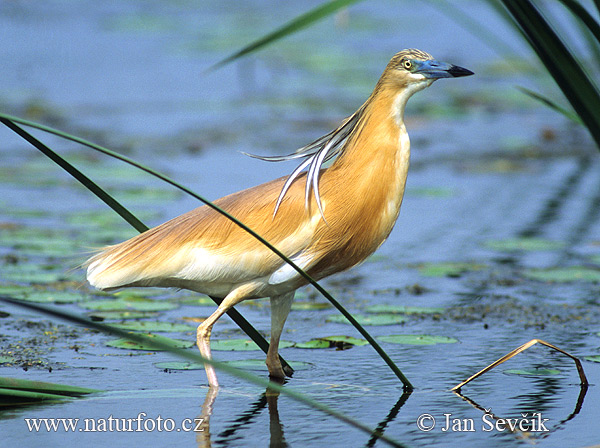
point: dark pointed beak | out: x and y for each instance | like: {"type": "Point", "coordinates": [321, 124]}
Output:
{"type": "Point", "coordinates": [435, 69]}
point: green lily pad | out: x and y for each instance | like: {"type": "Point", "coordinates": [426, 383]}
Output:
{"type": "Point", "coordinates": [102, 218]}
{"type": "Point", "coordinates": [35, 241]}
{"type": "Point", "coordinates": [53, 297]}
{"type": "Point", "coordinates": [152, 326]}
{"type": "Point", "coordinates": [401, 309]}
{"type": "Point", "coordinates": [196, 301]}
{"type": "Point", "coordinates": [371, 319]}
{"type": "Point", "coordinates": [128, 303]}
{"type": "Point", "coordinates": [131, 345]}
{"type": "Point", "coordinates": [448, 269]}
{"type": "Point", "coordinates": [314, 344]}
{"type": "Point", "coordinates": [533, 372]}
{"type": "Point", "coordinates": [121, 315]}
{"type": "Point", "coordinates": [137, 293]}
{"type": "Point", "coordinates": [525, 244]}
{"type": "Point", "coordinates": [179, 365]}
{"type": "Point", "coordinates": [417, 339]}
{"type": "Point", "coordinates": [593, 358]}
{"type": "Point", "coordinates": [17, 291]}
{"type": "Point", "coordinates": [332, 341]}
{"type": "Point", "coordinates": [32, 274]}
{"type": "Point", "coordinates": [240, 345]}
{"type": "Point", "coordinates": [564, 275]}
{"type": "Point", "coordinates": [7, 360]}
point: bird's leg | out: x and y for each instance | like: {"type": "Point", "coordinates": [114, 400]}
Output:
{"type": "Point", "coordinates": [280, 308]}
{"type": "Point", "coordinates": [205, 328]}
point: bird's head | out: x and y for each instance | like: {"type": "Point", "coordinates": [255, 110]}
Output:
{"type": "Point", "coordinates": [413, 66]}
{"type": "Point", "coordinates": [412, 70]}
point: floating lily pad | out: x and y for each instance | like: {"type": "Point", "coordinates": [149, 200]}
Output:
{"type": "Point", "coordinates": [160, 327]}
{"type": "Point", "coordinates": [525, 244]}
{"type": "Point", "coordinates": [128, 303]}
{"type": "Point", "coordinates": [180, 365]}
{"type": "Point", "coordinates": [332, 341]}
{"type": "Point", "coordinates": [564, 275]}
{"type": "Point", "coordinates": [131, 345]}
{"type": "Point", "coordinates": [310, 306]}
{"type": "Point", "coordinates": [102, 218]}
{"type": "Point", "coordinates": [314, 344]}
{"type": "Point", "coordinates": [138, 293]}
{"type": "Point", "coordinates": [372, 319]}
{"type": "Point", "coordinates": [401, 309]}
{"type": "Point", "coordinates": [31, 240]}
{"type": "Point", "coordinates": [32, 274]}
{"type": "Point", "coordinates": [593, 358]}
{"type": "Point", "coordinates": [121, 315]}
{"type": "Point", "coordinates": [196, 301]}
{"type": "Point", "coordinates": [7, 360]}
{"type": "Point", "coordinates": [448, 269]}
{"type": "Point", "coordinates": [533, 372]}
{"type": "Point", "coordinates": [53, 297]}
{"type": "Point", "coordinates": [241, 345]}
{"type": "Point", "coordinates": [16, 291]}
{"type": "Point", "coordinates": [417, 339]}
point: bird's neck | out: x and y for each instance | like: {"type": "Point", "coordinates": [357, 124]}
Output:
{"type": "Point", "coordinates": [366, 183]}
{"type": "Point", "coordinates": [377, 151]}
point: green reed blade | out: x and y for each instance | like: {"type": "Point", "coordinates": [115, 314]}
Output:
{"type": "Point", "coordinates": [562, 65]}
{"type": "Point", "coordinates": [300, 22]}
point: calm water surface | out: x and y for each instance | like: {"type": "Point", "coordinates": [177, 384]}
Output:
{"type": "Point", "coordinates": [488, 165]}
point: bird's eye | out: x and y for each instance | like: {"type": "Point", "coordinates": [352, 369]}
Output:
{"type": "Point", "coordinates": [407, 64]}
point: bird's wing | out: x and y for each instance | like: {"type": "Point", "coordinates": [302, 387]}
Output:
{"type": "Point", "coordinates": [204, 246]}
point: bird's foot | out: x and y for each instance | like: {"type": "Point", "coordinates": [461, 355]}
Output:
{"type": "Point", "coordinates": [276, 371]}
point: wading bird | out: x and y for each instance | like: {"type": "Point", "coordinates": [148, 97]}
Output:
{"type": "Point", "coordinates": [325, 219]}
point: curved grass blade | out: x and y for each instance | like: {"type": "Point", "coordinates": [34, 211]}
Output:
{"type": "Point", "coordinates": [17, 392]}
{"type": "Point", "coordinates": [589, 27]}
{"type": "Point", "coordinates": [300, 22]}
{"type": "Point", "coordinates": [493, 40]}
{"type": "Point", "coordinates": [567, 72]}
{"type": "Point", "coordinates": [581, 13]}
{"type": "Point", "coordinates": [520, 349]}
{"type": "Point", "coordinates": [82, 178]}
{"type": "Point", "coordinates": [406, 383]}
{"type": "Point", "coordinates": [196, 357]}
{"type": "Point", "coordinates": [551, 104]}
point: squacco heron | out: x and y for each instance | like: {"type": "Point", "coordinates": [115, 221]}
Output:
{"type": "Point", "coordinates": [325, 219]}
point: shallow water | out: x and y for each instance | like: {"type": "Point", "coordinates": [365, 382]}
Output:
{"type": "Point", "coordinates": [488, 165]}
